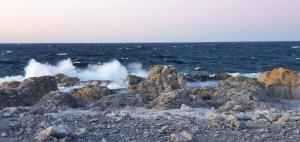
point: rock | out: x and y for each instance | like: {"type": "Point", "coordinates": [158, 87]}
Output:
{"type": "Point", "coordinates": [98, 82]}
{"type": "Point", "coordinates": [28, 92]}
{"type": "Point", "coordinates": [203, 96]}
{"type": "Point", "coordinates": [60, 131]}
{"type": "Point", "coordinates": [233, 120]}
{"type": "Point", "coordinates": [185, 108]}
{"type": "Point", "coordinates": [197, 76]}
{"type": "Point", "coordinates": [91, 92]}
{"type": "Point", "coordinates": [183, 136]}
{"type": "Point", "coordinates": [171, 100]}
{"type": "Point", "coordinates": [203, 76]}
{"type": "Point", "coordinates": [66, 81]}
{"type": "Point", "coordinates": [160, 79]}
{"type": "Point", "coordinates": [132, 81]}
{"type": "Point", "coordinates": [221, 76]}
{"type": "Point", "coordinates": [282, 83]}
{"type": "Point", "coordinates": [9, 85]}
{"type": "Point", "coordinates": [121, 100]}
{"type": "Point", "coordinates": [57, 101]}
{"type": "Point", "coordinates": [241, 94]}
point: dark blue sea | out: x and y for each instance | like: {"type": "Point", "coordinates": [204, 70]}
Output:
{"type": "Point", "coordinates": [231, 57]}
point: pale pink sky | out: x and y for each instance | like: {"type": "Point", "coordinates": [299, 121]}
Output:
{"type": "Point", "coordinates": [148, 20]}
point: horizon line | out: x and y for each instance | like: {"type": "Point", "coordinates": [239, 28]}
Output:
{"type": "Point", "coordinates": [167, 42]}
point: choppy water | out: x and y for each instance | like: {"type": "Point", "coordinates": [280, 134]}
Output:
{"type": "Point", "coordinates": [209, 57]}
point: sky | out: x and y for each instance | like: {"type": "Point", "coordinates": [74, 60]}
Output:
{"type": "Point", "coordinates": [103, 21]}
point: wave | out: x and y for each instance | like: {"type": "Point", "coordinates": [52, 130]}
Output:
{"type": "Point", "coordinates": [112, 70]}
{"type": "Point", "coordinates": [296, 47]}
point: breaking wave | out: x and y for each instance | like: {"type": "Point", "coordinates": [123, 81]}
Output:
{"type": "Point", "coordinates": [112, 70]}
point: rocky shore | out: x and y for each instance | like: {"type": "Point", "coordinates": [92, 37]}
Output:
{"type": "Point", "coordinates": [158, 108]}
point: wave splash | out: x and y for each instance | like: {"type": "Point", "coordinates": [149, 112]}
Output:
{"type": "Point", "coordinates": [112, 70]}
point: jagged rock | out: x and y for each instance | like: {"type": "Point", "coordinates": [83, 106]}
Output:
{"type": "Point", "coordinates": [173, 99]}
{"type": "Point", "coordinates": [240, 94]}
{"type": "Point", "coordinates": [66, 81]}
{"type": "Point", "coordinates": [9, 85]}
{"type": "Point", "coordinates": [91, 92]}
{"type": "Point", "coordinates": [28, 92]}
{"type": "Point", "coordinates": [132, 81]}
{"type": "Point", "coordinates": [183, 136]}
{"type": "Point", "coordinates": [160, 79]}
{"type": "Point", "coordinates": [282, 82]}
{"type": "Point", "coordinates": [57, 101]}
{"type": "Point", "coordinates": [60, 131]}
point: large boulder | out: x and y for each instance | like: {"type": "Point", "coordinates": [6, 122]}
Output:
{"type": "Point", "coordinates": [91, 91]}
{"type": "Point", "coordinates": [170, 100]}
{"type": "Point", "coordinates": [9, 85]}
{"type": "Point", "coordinates": [28, 92]}
{"type": "Point", "coordinates": [160, 79]}
{"type": "Point", "coordinates": [57, 101]}
{"type": "Point", "coordinates": [32, 89]}
{"type": "Point", "coordinates": [282, 82]}
{"type": "Point", "coordinates": [66, 81]}
{"type": "Point", "coordinates": [240, 94]}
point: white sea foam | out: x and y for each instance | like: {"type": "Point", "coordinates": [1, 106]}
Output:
{"type": "Point", "coordinates": [250, 75]}
{"type": "Point", "coordinates": [12, 78]}
{"type": "Point", "coordinates": [9, 51]}
{"type": "Point", "coordinates": [295, 47]}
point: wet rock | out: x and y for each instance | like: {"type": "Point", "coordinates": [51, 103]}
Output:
{"type": "Point", "coordinates": [282, 83]}
{"type": "Point", "coordinates": [9, 85]}
{"type": "Point", "coordinates": [197, 76]}
{"type": "Point", "coordinates": [132, 81]}
{"type": "Point", "coordinates": [57, 101]}
{"type": "Point", "coordinates": [91, 92]}
{"type": "Point", "coordinates": [170, 100]}
{"type": "Point", "coordinates": [98, 82]}
{"type": "Point", "coordinates": [60, 131]}
{"type": "Point", "coordinates": [241, 94]}
{"type": "Point", "coordinates": [183, 136]}
{"type": "Point", "coordinates": [221, 76]}
{"type": "Point", "coordinates": [203, 76]}
{"type": "Point", "coordinates": [66, 81]}
{"type": "Point", "coordinates": [160, 79]}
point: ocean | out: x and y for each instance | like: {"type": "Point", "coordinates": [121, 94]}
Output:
{"type": "Point", "coordinates": [114, 61]}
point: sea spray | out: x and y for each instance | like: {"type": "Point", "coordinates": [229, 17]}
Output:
{"type": "Point", "coordinates": [112, 70]}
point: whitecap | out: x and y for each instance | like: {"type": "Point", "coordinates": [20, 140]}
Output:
{"type": "Point", "coordinates": [8, 51]}
{"type": "Point", "coordinates": [296, 47]}
{"type": "Point", "coordinates": [61, 54]}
